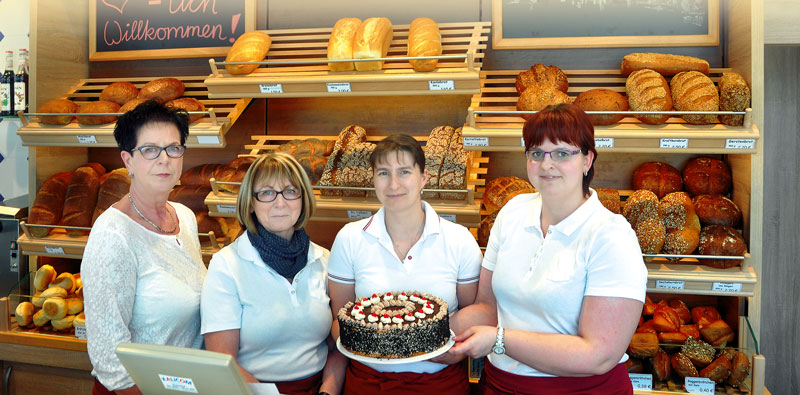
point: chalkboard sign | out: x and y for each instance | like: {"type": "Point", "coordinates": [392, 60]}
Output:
{"type": "Point", "coordinates": [163, 29]}
{"type": "Point", "coordinates": [543, 24]}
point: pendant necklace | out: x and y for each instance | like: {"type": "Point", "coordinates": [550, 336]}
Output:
{"type": "Point", "coordinates": [130, 198]}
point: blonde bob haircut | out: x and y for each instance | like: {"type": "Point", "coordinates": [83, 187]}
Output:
{"type": "Point", "coordinates": [267, 168]}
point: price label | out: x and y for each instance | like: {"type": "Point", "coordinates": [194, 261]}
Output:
{"type": "Point", "coordinates": [54, 250]}
{"type": "Point", "coordinates": [211, 140]}
{"type": "Point", "coordinates": [642, 382]}
{"type": "Point", "coordinates": [80, 332]}
{"type": "Point", "coordinates": [270, 88]}
{"type": "Point", "coordinates": [699, 385]}
{"type": "Point", "coordinates": [726, 287]}
{"type": "Point", "coordinates": [476, 141]}
{"type": "Point", "coordinates": [226, 209]}
{"type": "Point", "coordinates": [674, 143]}
{"type": "Point", "coordinates": [358, 214]}
{"type": "Point", "coordinates": [449, 217]}
{"type": "Point", "coordinates": [442, 85]}
{"type": "Point", "coordinates": [87, 139]}
{"type": "Point", "coordinates": [336, 87]}
{"type": "Point", "coordinates": [604, 142]}
{"type": "Point", "coordinates": [669, 284]}
{"type": "Point", "coordinates": [740, 143]}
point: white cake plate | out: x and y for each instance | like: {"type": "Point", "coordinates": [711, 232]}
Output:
{"type": "Point", "coordinates": [393, 361]}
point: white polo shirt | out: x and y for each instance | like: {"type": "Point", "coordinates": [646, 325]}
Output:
{"type": "Point", "coordinates": [282, 326]}
{"type": "Point", "coordinates": [540, 282]}
{"type": "Point", "coordinates": [445, 255]}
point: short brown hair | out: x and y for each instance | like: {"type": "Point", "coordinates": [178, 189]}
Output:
{"type": "Point", "coordinates": [270, 167]}
{"type": "Point", "coordinates": [398, 143]}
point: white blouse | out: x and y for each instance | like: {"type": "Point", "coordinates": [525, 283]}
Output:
{"type": "Point", "coordinates": [140, 287]}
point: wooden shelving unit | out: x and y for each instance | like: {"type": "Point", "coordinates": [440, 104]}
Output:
{"type": "Point", "coordinates": [296, 66]}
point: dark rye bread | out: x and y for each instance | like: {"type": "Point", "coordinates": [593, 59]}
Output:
{"type": "Point", "coordinates": [81, 199]}
{"type": "Point", "coordinates": [648, 91]}
{"type": "Point", "coordinates": [351, 134]}
{"type": "Point", "coordinates": [49, 203]}
{"type": "Point", "coordinates": [694, 91]}
{"type": "Point", "coordinates": [435, 149]}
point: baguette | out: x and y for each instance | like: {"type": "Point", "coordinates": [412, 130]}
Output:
{"type": "Point", "coordinates": [372, 40]}
{"type": "Point", "coordinates": [340, 45]}
{"type": "Point", "coordinates": [49, 203]}
{"type": "Point", "coordinates": [424, 39]}
{"type": "Point", "coordinates": [664, 64]}
{"type": "Point", "coordinates": [252, 46]}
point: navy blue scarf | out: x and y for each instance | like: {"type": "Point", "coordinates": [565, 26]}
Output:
{"type": "Point", "coordinates": [284, 256]}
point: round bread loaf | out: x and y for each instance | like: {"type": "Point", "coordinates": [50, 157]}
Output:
{"type": "Point", "coordinates": [721, 240]}
{"type": "Point", "coordinates": [542, 76]}
{"type": "Point", "coordinates": [538, 98]}
{"type": "Point", "coordinates": [44, 276]}
{"type": "Point", "coordinates": [162, 89]}
{"type": "Point", "coordinates": [707, 176]}
{"type": "Point", "coordinates": [131, 104]}
{"type": "Point", "coordinates": [694, 91]}
{"type": "Point", "coordinates": [24, 313]}
{"type": "Point", "coordinates": [188, 104]}
{"type": "Point", "coordinates": [602, 100]}
{"type": "Point", "coordinates": [59, 106]}
{"type": "Point", "coordinates": [648, 91]}
{"type": "Point", "coordinates": [734, 95]}
{"type": "Point", "coordinates": [99, 106]}
{"type": "Point", "coordinates": [661, 178]}
{"type": "Point", "coordinates": [651, 234]}
{"type": "Point", "coordinates": [641, 204]}
{"type": "Point", "coordinates": [62, 324]}
{"type": "Point", "coordinates": [119, 92]}
{"type": "Point", "coordinates": [717, 210]}
{"type": "Point", "coordinates": [609, 198]}
{"type": "Point", "coordinates": [501, 189]}
{"type": "Point", "coordinates": [54, 308]}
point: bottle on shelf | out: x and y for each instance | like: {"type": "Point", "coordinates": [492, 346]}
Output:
{"type": "Point", "coordinates": [7, 87]}
{"type": "Point", "coordinates": [21, 83]}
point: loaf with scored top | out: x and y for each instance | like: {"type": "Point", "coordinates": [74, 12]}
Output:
{"type": "Point", "coordinates": [340, 45]}
{"type": "Point", "coordinates": [372, 40]}
{"type": "Point", "coordinates": [162, 89]}
{"type": "Point", "coordinates": [648, 91]}
{"type": "Point", "coordinates": [602, 100]}
{"type": "Point", "coordinates": [119, 92]}
{"type": "Point", "coordinates": [542, 76]}
{"type": "Point", "coordinates": [113, 187]}
{"type": "Point", "coordinates": [351, 134]}
{"type": "Point", "coordinates": [97, 107]}
{"type": "Point", "coordinates": [81, 199]}
{"type": "Point", "coordinates": [424, 39]}
{"type": "Point", "coordinates": [60, 106]}
{"type": "Point", "coordinates": [694, 91]}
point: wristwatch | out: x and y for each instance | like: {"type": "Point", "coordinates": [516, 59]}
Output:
{"type": "Point", "coordinates": [499, 346]}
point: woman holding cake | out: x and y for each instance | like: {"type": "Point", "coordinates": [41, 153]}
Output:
{"type": "Point", "coordinates": [405, 246]}
{"type": "Point", "coordinates": [563, 278]}
{"type": "Point", "coordinates": [264, 300]}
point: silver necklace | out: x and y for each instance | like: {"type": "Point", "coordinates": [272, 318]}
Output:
{"type": "Point", "coordinates": [130, 198]}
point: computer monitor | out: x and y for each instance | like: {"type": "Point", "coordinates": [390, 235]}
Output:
{"type": "Point", "coordinates": [172, 370]}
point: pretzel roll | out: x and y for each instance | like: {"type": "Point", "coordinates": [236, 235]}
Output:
{"type": "Point", "coordinates": [39, 319]}
{"type": "Point", "coordinates": [64, 280]}
{"type": "Point", "coordinates": [640, 205]}
{"type": "Point", "coordinates": [63, 324]}
{"type": "Point", "coordinates": [54, 308]}
{"type": "Point", "coordinates": [44, 276]}
{"type": "Point", "coordinates": [661, 178]}
{"type": "Point", "coordinates": [24, 313]}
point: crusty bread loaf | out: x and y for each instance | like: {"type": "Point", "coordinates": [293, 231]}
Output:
{"type": "Point", "coordinates": [643, 345]}
{"type": "Point", "coordinates": [651, 234]}
{"type": "Point", "coordinates": [49, 203]}
{"type": "Point", "coordinates": [453, 174]}
{"type": "Point", "coordinates": [734, 95]}
{"type": "Point", "coordinates": [372, 40]}
{"type": "Point", "coordinates": [98, 107]}
{"type": "Point", "coordinates": [721, 240]}
{"type": "Point", "coordinates": [661, 178]}
{"type": "Point", "coordinates": [707, 176]}
{"type": "Point", "coordinates": [119, 92]}
{"type": "Point", "coordinates": [340, 45]}
{"type": "Point", "coordinates": [131, 104]}
{"type": "Point", "coordinates": [311, 146]}
{"type": "Point", "coordinates": [486, 228]}
{"type": "Point", "coordinates": [718, 370]}
{"type": "Point", "coordinates": [739, 370]}
{"type": "Point", "coordinates": [314, 165]}
{"type": "Point", "coordinates": [542, 76]}
{"type": "Point", "coordinates": [717, 333]}
{"type": "Point", "coordinates": [694, 91]}
{"type": "Point", "coordinates": [59, 106]}
{"type": "Point", "coordinates": [682, 224]}
{"type": "Point", "coordinates": [435, 152]}
{"type": "Point", "coordinates": [424, 39]}
{"type": "Point", "coordinates": [162, 89]}
{"type": "Point", "coordinates": [251, 46]}
{"type": "Point", "coordinates": [683, 366]}
{"type": "Point", "coordinates": [538, 98]}
{"type": "Point", "coordinates": [64, 280]}
{"type": "Point", "coordinates": [502, 189]}
{"type": "Point", "coordinates": [113, 187]}
{"type": "Point", "coordinates": [356, 170]}
{"type": "Point", "coordinates": [54, 308]}
{"type": "Point", "coordinates": [191, 196]}
{"type": "Point", "coordinates": [641, 204]}
{"type": "Point", "coordinates": [202, 174]}
{"type": "Point", "coordinates": [602, 100]}
{"type": "Point", "coordinates": [661, 365]}
{"type": "Point", "coordinates": [81, 198]}
{"type": "Point", "coordinates": [717, 210]}
{"type": "Point", "coordinates": [188, 104]}
{"type": "Point", "coordinates": [704, 315]}
{"type": "Point", "coordinates": [242, 162]}
{"type": "Point", "coordinates": [664, 64]}
{"type": "Point", "coordinates": [207, 223]}
{"type": "Point", "coordinates": [24, 313]}
{"type": "Point", "coordinates": [351, 134]}
{"type": "Point", "coordinates": [44, 276]}
{"type": "Point", "coordinates": [610, 199]}
{"type": "Point", "coordinates": [648, 91]}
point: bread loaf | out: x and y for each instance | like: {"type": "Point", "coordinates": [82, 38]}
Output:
{"type": "Point", "coordinates": [24, 313]}
{"type": "Point", "coordinates": [453, 174]}
{"type": "Point", "coordinates": [351, 134]}
{"type": "Point", "coordinates": [207, 223]}
{"type": "Point", "coordinates": [289, 147]}
{"type": "Point", "coordinates": [683, 366]}
{"type": "Point", "coordinates": [356, 170]}
{"type": "Point", "coordinates": [721, 240]}
{"type": "Point", "coordinates": [424, 40]}
{"type": "Point", "coordinates": [81, 199]}
{"type": "Point", "coordinates": [691, 330]}
{"type": "Point", "coordinates": [661, 366]}
{"type": "Point", "coordinates": [162, 89]}
{"type": "Point", "coordinates": [98, 107]}
{"type": "Point", "coordinates": [251, 46]}
{"type": "Point", "coordinates": [314, 165]}
{"type": "Point", "coordinates": [312, 146]}
{"type": "Point", "coordinates": [49, 203]}
{"type": "Point", "coordinates": [694, 91]}
{"type": "Point", "coordinates": [372, 40]}
{"type": "Point", "coordinates": [651, 234]}
{"type": "Point", "coordinates": [113, 187]}
{"type": "Point", "coordinates": [740, 368]}
{"type": "Point", "coordinates": [717, 210]}
{"type": "Point", "coordinates": [610, 199]}
{"type": "Point", "coordinates": [188, 104]}
{"type": "Point", "coordinates": [602, 100]}
{"type": "Point", "coordinates": [664, 64]}
{"type": "Point", "coordinates": [54, 308]}
{"type": "Point", "coordinates": [191, 196]}
{"type": "Point", "coordinates": [486, 227]}
{"type": "Point", "coordinates": [502, 189]}
{"type": "Point", "coordinates": [242, 162]}
{"type": "Point", "coordinates": [44, 276]}
{"type": "Point", "coordinates": [541, 76]}
{"type": "Point", "coordinates": [681, 222]}
{"type": "Point", "coordinates": [39, 319]}
{"type": "Point", "coordinates": [131, 104]}
{"type": "Point", "coordinates": [641, 204]}
{"type": "Point", "coordinates": [666, 319]}
{"type": "Point", "coordinates": [340, 45]}
{"type": "Point", "coordinates": [648, 91]}
{"type": "Point", "coordinates": [435, 152]}
{"type": "Point", "coordinates": [119, 92]}
{"type": "Point", "coordinates": [64, 280]}
{"type": "Point", "coordinates": [707, 176]}
{"type": "Point", "coordinates": [734, 95]}
{"type": "Point", "coordinates": [718, 370]}
{"type": "Point", "coordinates": [59, 106]}
{"type": "Point", "coordinates": [658, 177]}
{"type": "Point", "coordinates": [202, 175]}
{"type": "Point", "coordinates": [538, 98]}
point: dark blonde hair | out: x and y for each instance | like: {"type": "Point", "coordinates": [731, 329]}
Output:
{"type": "Point", "coordinates": [270, 167]}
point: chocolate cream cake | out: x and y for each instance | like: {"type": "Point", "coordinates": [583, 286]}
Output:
{"type": "Point", "coordinates": [394, 325]}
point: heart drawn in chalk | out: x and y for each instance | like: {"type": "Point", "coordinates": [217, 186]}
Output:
{"type": "Point", "coordinates": [114, 4]}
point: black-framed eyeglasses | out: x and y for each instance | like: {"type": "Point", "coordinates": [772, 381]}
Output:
{"type": "Point", "coordinates": [269, 195]}
{"type": "Point", "coordinates": [559, 155]}
{"type": "Point", "coordinates": [151, 152]}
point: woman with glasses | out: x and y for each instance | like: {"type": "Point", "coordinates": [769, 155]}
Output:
{"type": "Point", "coordinates": [265, 299]}
{"type": "Point", "coordinates": [563, 281]}
{"type": "Point", "coordinates": [142, 270]}
{"type": "Point", "coordinates": [405, 246]}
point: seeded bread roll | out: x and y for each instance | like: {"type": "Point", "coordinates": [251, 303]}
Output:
{"type": "Point", "coordinates": [602, 100]}
{"type": "Point", "coordinates": [664, 64]}
{"type": "Point", "coordinates": [542, 76]}
{"type": "Point", "coordinates": [682, 224]}
{"type": "Point", "coordinates": [734, 95]}
{"type": "Point", "coordinates": [661, 178]}
{"type": "Point", "coordinates": [58, 106]}
{"type": "Point", "coordinates": [609, 198]}
{"type": "Point", "coordinates": [683, 366]}
{"type": "Point", "coordinates": [694, 91]}
{"type": "Point", "coordinates": [641, 204]}
{"type": "Point", "coordinates": [538, 98]}
{"type": "Point", "coordinates": [651, 235]}
{"type": "Point", "coordinates": [119, 92]}
{"type": "Point", "coordinates": [648, 91]}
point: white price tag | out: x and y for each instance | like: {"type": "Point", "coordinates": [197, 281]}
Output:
{"type": "Point", "coordinates": [699, 385]}
{"type": "Point", "coordinates": [80, 332]}
{"type": "Point", "coordinates": [476, 141]}
{"type": "Point", "coordinates": [358, 214]}
{"type": "Point", "coordinates": [740, 143]}
{"type": "Point", "coordinates": [175, 383]}
{"type": "Point", "coordinates": [270, 88]}
{"type": "Point", "coordinates": [669, 284]}
{"type": "Point", "coordinates": [336, 87]}
{"type": "Point", "coordinates": [212, 140]}
{"type": "Point", "coordinates": [87, 139]}
{"type": "Point", "coordinates": [442, 85]}
{"type": "Point", "coordinates": [642, 382]}
{"type": "Point", "coordinates": [449, 217]}
{"type": "Point", "coordinates": [726, 287]}
{"type": "Point", "coordinates": [674, 143]}
{"type": "Point", "coordinates": [604, 142]}
{"type": "Point", "coordinates": [54, 250]}
{"type": "Point", "coordinates": [226, 209]}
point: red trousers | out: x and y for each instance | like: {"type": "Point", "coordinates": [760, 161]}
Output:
{"type": "Point", "coordinates": [363, 380]}
{"type": "Point", "coordinates": [307, 386]}
{"type": "Point", "coordinates": [495, 381]}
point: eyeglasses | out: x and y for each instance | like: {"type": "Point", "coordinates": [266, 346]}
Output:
{"type": "Point", "coordinates": [269, 195]}
{"type": "Point", "coordinates": [559, 155]}
{"type": "Point", "coordinates": [151, 152]}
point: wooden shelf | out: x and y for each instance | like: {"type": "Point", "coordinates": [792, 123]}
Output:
{"type": "Point", "coordinates": [296, 66]}
{"type": "Point", "coordinates": [696, 279]}
{"type": "Point", "coordinates": [503, 132]}
{"type": "Point", "coordinates": [207, 132]}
